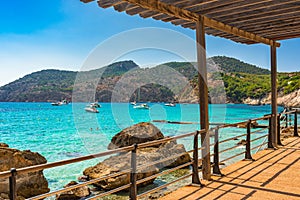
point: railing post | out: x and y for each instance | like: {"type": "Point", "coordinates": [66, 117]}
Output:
{"type": "Point", "coordinates": [206, 166]}
{"type": "Point", "coordinates": [133, 175]}
{"type": "Point", "coordinates": [278, 130]}
{"type": "Point", "coordinates": [270, 143]}
{"type": "Point", "coordinates": [13, 184]}
{"type": "Point", "coordinates": [286, 120]}
{"type": "Point", "coordinates": [216, 167]}
{"type": "Point", "coordinates": [296, 124]}
{"type": "Point", "coordinates": [248, 142]}
{"type": "Point", "coordinates": [195, 177]}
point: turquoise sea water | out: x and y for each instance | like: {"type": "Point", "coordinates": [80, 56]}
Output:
{"type": "Point", "coordinates": [63, 132]}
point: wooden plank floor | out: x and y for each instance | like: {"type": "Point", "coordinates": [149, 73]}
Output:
{"type": "Point", "coordinates": [275, 174]}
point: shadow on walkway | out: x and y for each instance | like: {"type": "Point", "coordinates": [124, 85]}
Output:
{"type": "Point", "coordinates": [275, 174]}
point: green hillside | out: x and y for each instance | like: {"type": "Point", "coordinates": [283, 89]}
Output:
{"type": "Point", "coordinates": [217, 64]}
{"type": "Point", "coordinates": [240, 81]}
{"type": "Point", "coordinates": [239, 86]}
{"type": "Point", "coordinates": [234, 65]}
{"type": "Point", "coordinates": [54, 85]}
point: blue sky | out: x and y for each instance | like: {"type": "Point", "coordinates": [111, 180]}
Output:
{"type": "Point", "coordinates": [57, 34]}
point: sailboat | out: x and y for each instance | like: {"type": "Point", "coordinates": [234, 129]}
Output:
{"type": "Point", "coordinates": [141, 105]}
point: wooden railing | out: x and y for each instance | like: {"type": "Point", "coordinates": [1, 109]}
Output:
{"type": "Point", "coordinates": [290, 116]}
{"type": "Point", "coordinates": [132, 186]}
{"type": "Point", "coordinates": [194, 163]}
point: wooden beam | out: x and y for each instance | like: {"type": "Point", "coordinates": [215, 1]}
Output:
{"type": "Point", "coordinates": [238, 32]}
{"type": "Point", "coordinates": [149, 13]}
{"type": "Point", "coordinates": [249, 10]}
{"type": "Point", "coordinates": [109, 3]}
{"type": "Point", "coordinates": [191, 5]}
{"type": "Point", "coordinates": [171, 10]}
{"type": "Point", "coordinates": [242, 6]}
{"type": "Point", "coordinates": [262, 15]}
{"type": "Point", "coordinates": [270, 33]}
{"type": "Point", "coordinates": [124, 6]}
{"type": "Point", "coordinates": [290, 36]}
{"type": "Point", "coordinates": [134, 11]}
{"type": "Point", "coordinates": [263, 23]}
{"type": "Point", "coordinates": [86, 1]}
{"type": "Point", "coordinates": [280, 31]}
{"type": "Point", "coordinates": [203, 97]}
{"type": "Point", "coordinates": [212, 5]}
{"type": "Point", "coordinates": [198, 3]}
{"type": "Point", "coordinates": [274, 95]}
{"type": "Point", "coordinates": [287, 35]}
{"type": "Point", "coordinates": [245, 20]}
{"type": "Point", "coordinates": [275, 26]}
{"type": "Point", "coordinates": [252, 27]}
{"type": "Point", "coordinates": [164, 8]}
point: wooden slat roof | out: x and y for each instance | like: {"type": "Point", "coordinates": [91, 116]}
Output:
{"type": "Point", "coordinates": [243, 21]}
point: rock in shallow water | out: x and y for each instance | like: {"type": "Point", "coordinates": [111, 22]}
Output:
{"type": "Point", "coordinates": [30, 184]}
{"type": "Point", "coordinates": [74, 194]}
{"type": "Point", "coordinates": [3, 145]}
{"type": "Point", "coordinates": [137, 134]}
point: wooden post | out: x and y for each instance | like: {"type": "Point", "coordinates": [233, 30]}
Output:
{"type": "Point", "coordinates": [13, 184]}
{"type": "Point", "coordinates": [296, 124]}
{"type": "Point", "coordinates": [279, 131]}
{"type": "Point", "coordinates": [286, 120]}
{"type": "Point", "coordinates": [203, 96]}
{"type": "Point", "coordinates": [248, 142]}
{"type": "Point", "coordinates": [274, 94]}
{"type": "Point", "coordinates": [195, 177]}
{"type": "Point", "coordinates": [270, 144]}
{"type": "Point", "coordinates": [216, 167]}
{"type": "Point", "coordinates": [133, 175]}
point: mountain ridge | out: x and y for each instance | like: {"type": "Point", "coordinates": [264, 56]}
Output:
{"type": "Point", "coordinates": [238, 79]}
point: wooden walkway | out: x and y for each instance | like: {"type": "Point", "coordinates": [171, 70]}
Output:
{"type": "Point", "coordinates": [273, 175]}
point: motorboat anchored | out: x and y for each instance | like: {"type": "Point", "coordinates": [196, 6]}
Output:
{"type": "Point", "coordinates": [91, 109]}
{"type": "Point", "coordinates": [141, 106]}
{"type": "Point", "coordinates": [60, 103]}
{"type": "Point", "coordinates": [170, 104]}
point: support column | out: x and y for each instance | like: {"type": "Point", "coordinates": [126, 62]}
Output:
{"type": "Point", "coordinates": [203, 96]}
{"type": "Point", "coordinates": [274, 95]}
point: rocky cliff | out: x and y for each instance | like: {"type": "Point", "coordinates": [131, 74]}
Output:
{"type": "Point", "coordinates": [285, 100]}
{"type": "Point", "coordinates": [290, 100]}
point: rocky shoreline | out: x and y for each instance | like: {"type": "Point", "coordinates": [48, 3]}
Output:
{"type": "Point", "coordinates": [291, 100]}
{"type": "Point", "coordinates": [173, 154]}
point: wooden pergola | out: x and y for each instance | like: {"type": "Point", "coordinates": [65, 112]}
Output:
{"type": "Point", "coordinates": [243, 21]}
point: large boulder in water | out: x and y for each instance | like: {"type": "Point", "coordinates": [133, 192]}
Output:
{"type": "Point", "coordinates": [74, 194]}
{"type": "Point", "coordinates": [114, 164]}
{"type": "Point", "coordinates": [28, 185]}
{"type": "Point", "coordinates": [117, 164]}
{"type": "Point", "coordinates": [136, 134]}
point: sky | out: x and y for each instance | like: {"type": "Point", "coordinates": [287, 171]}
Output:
{"type": "Point", "coordinates": [62, 34]}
